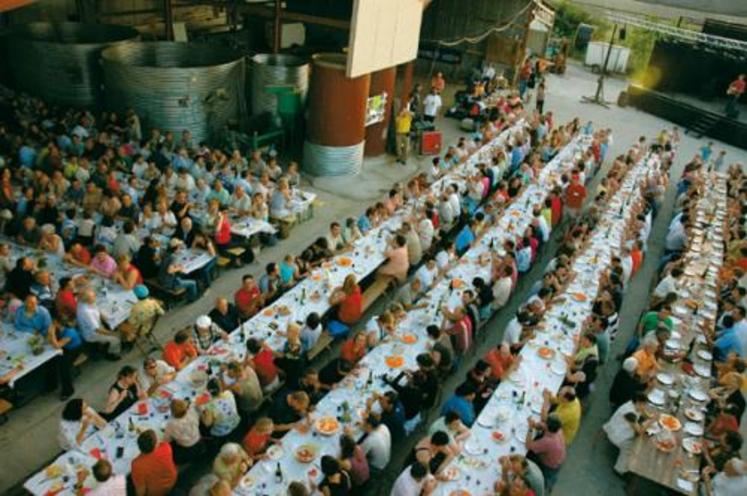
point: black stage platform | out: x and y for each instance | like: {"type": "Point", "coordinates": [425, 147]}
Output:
{"type": "Point", "coordinates": [697, 117]}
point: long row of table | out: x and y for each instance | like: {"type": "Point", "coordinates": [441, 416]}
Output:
{"type": "Point", "coordinates": [670, 454]}
{"type": "Point", "coordinates": [502, 426]}
{"type": "Point", "coordinates": [309, 295]}
{"type": "Point", "coordinates": [399, 352]}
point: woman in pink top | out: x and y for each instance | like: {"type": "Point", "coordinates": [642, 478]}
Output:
{"type": "Point", "coordinates": [102, 263]}
{"type": "Point", "coordinates": [398, 262]}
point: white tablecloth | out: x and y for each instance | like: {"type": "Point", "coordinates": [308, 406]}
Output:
{"type": "Point", "coordinates": [354, 389]}
{"type": "Point", "coordinates": [477, 465]}
{"type": "Point", "coordinates": [366, 257]}
{"type": "Point", "coordinates": [113, 302]}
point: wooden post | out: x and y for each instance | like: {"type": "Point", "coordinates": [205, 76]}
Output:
{"type": "Point", "coordinates": [277, 34]}
{"type": "Point", "coordinates": [168, 20]}
{"type": "Point", "coordinates": [407, 81]}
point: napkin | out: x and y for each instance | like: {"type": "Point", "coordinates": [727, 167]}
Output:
{"type": "Point", "coordinates": [96, 453]}
{"type": "Point", "coordinates": [685, 485]}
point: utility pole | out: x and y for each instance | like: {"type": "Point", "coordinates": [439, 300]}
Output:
{"type": "Point", "coordinates": [598, 98]}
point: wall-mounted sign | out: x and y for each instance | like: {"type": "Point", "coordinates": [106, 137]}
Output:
{"type": "Point", "coordinates": [376, 109]}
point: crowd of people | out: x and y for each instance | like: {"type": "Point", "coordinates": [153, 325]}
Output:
{"type": "Point", "coordinates": [236, 423]}
{"type": "Point", "coordinates": [723, 472]}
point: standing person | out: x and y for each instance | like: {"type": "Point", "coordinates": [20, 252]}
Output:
{"type": "Point", "coordinates": [431, 106]}
{"type": "Point", "coordinates": [415, 101]}
{"type": "Point", "coordinates": [734, 93]}
{"type": "Point", "coordinates": [524, 74]}
{"type": "Point", "coordinates": [575, 194]}
{"type": "Point", "coordinates": [438, 82]}
{"type": "Point", "coordinates": [403, 125]}
{"type": "Point", "coordinates": [541, 96]}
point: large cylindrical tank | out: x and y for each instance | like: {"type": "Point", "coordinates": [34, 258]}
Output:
{"type": "Point", "coordinates": [177, 86]}
{"type": "Point", "coordinates": [382, 83]}
{"type": "Point", "coordinates": [335, 131]}
{"type": "Point", "coordinates": [275, 70]}
{"type": "Point", "coordinates": [59, 62]}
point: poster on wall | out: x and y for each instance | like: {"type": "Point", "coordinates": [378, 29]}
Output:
{"type": "Point", "coordinates": [376, 109]}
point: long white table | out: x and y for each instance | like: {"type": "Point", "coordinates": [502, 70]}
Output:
{"type": "Point", "coordinates": [477, 465]}
{"type": "Point", "coordinates": [113, 301]}
{"type": "Point", "coordinates": [354, 390]}
{"type": "Point", "coordinates": [366, 257]}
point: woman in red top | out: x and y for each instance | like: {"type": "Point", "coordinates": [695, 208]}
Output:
{"type": "Point", "coordinates": [636, 257]}
{"type": "Point", "coordinates": [223, 231]}
{"type": "Point", "coordinates": [349, 299]}
{"type": "Point", "coordinates": [127, 275]}
{"type": "Point", "coordinates": [65, 302]}
{"type": "Point", "coordinates": [78, 255]}
{"type": "Point", "coordinates": [353, 350]}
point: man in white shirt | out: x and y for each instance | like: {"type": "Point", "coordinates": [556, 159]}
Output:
{"type": "Point", "coordinates": [677, 235]}
{"type": "Point", "coordinates": [502, 288]}
{"type": "Point", "coordinates": [108, 483]}
{"type": "Point", "coordinates": [732, 481]}
{"type": "Point", "coordinates": [378, 443]}
{"type": "Point", "coordinates": [92, 328]}
{"type": "Point", "coordinates": [431, 106]}
{"type": "Point", "coordinates": [454, 201]}
{"type": "Point", "coordinates": [414, 481]}
{"type": "Point", "coordinates": [670, 284]}
{"type": "Point", "coordinates": [427, 273]}
{"type": "Point", "coordinates": [625, 424]}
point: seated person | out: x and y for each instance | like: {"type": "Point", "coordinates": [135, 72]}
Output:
{"type": "Point", "coordinates": [225, 315]}
{"type": "Point", "coordinates": [181, 351]}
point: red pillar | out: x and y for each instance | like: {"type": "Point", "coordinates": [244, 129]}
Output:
{"type": "Point", "coordinates": [381, 82]}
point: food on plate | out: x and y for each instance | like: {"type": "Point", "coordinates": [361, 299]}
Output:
{"type": "Point", "coordinates": [315, 296]}
{"type": "Point", "coordinates": [305, 453]}
{"type": "Point", "coordinates": [327, 425]}
{"type": "Point", "coordinates": [460, 492]}
{"type": "Point", "coordinates": [670, 423]}
{"type": "Point", "coordinates": [53, 471]}
{"type": "Point", "coordinates": [498, 436]}
{"type": "Point", "coordinates": [344, 261]}
{"type": "Point", "coordinates": [409, 339]}
{"type": "Point", "coordinates": [316, 277]}
{"type": "Point", "coordinates": [284, 310]}
{"type": "Point", "coordinates": [457, 283]}
{"type": "Point", "coordinates": [579, 297]}
{"type": "Point", "coordinates": [692, 445]}
{"type": "Point", "coordinates": [665, 445]}
{"type": "Point", "coordinates": [451, 473]}
{"type": "Point", "coordinates": [247, 481]}
{"type": "Point", "coordinates": [545, 352]}
{"type": "Point", "coordinates": [395, 361]}
{"type": "Point", "coordinates": [268, 312]}
{"type": "Point", "coordinates": [693, 414]}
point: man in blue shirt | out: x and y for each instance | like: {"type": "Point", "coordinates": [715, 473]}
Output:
{"type": "Point", "coordinates": [465, 237]}
{"type": "Point", "coordinates": [364, 221]}
{"type": "Point", "coordinates": [727, 340]}
{"type": "Point", "coordinates": [461, 403]}
{"type": "Point", "coordinates": [32, 317]}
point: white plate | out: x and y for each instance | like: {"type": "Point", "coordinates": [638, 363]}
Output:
{"type": "Point", "coordinates": [487, 421]}
{"type": "Point", "coordinates": [557, 368]}
{"type": "Point", "coordinates": [656, 397]}
{"type": "Point", "coordinates": [694, 414]}
{"type": "Point", "coordinates": [705, 355]}
{"type": "Point", "coordinates": [693, 429]}
{"type": "Point", "coordinates": [247, 481]}
{"type": "Point", "coordinates": [702, 370]}
{"type": "Point", "coordinates": [473, 448]}
{"type": "Point", "coordinates": [665, 379]}
{"type": "Point", "coordinates": [690, 443]}
{"type": "Point", "coordinates": [275, 452]}
{"type": "Point", "coordinates": [697, 395]}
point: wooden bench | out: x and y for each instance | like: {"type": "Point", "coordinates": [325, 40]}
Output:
{"type": "Point", "coordinates": [374, 291]}
{"type": "Point", "coordinates": [5, 407]}
{"type": "Point", "coordinates": [168, 295]}
{"type": "Point", "coordinates": [322, 344]}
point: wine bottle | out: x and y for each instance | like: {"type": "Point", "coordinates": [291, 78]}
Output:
{"type": "Point", "coordinates": [278, 474]}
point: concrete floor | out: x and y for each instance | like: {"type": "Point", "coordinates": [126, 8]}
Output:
{"type": "Point", "coordinates": [29, 437]}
